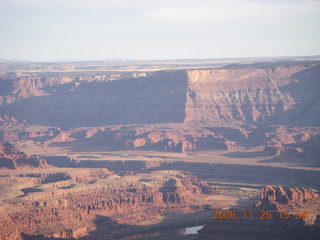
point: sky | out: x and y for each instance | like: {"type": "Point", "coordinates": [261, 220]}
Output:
{"type": "Point", "coordinates": [44, 30]}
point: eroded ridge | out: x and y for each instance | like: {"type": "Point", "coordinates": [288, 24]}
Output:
{"type": "Point", "coordinates": [12, 158]}
{"type": "Point", "coordinates": [66, 204]}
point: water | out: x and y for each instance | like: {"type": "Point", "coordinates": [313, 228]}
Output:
{"type": "Point", "coordinates": [174, 232]}
{"type": "Point", "coordinates": [192, 230]}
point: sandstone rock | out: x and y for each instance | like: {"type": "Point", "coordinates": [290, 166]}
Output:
{"type": "Point", "coordinates": [83, 108]}
{"type": "Point", "coordinates": [69, 212]}
{"type": "Point", "coordinates": [11, 157]}
{"type": "Point", "coordinates": [205, 97]}
{"type": "Point", "coordinates": [274, 197]}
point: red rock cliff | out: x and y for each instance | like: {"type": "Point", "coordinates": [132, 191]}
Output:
{"type": "Point", "coordinates": [11, 157]}
{"type": "Point", "coordinates": [274, 197]}
{"type": "Point", "coordinates": [277, 94]}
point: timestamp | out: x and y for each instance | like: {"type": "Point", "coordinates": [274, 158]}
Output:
{"type": "Point", "coordinates": [262, 214]}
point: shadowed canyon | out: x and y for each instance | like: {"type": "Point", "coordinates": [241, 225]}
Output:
{"type": "Point", "coordinates": [120, 150]}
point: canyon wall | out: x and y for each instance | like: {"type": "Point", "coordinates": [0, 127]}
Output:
{"type": "Point", "coordinates": [279, 95]}
{"type": "Point", "coordinates": [73, 103]}
{"type": "Point", "coordinates": [276, 94]}
{"type": "Point", "coordinates": [68, 208]}
{"type": "Point", "coordinates": [274, 110]}
{"type": "Point", "coordinates": [12, 158]}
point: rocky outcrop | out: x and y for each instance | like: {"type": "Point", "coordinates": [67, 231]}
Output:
{"type": "Point", "coordinates": [170, 140]}
{"type": "Point", "coordinates": [36, 135]}
{"type": "Point", "coordinates": [275, 198]}
{"type": "Point", "coordinates": [12, 158]}
{"type": "Point", "coordinates": [287, 141]}
{"type": "Point", "coordinates": [70, 211]}
{"type": "Point", "coordinates": [284, 150]}
{"type": "Point", "coordinates": [246, 95]}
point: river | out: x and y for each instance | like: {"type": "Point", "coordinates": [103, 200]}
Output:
{"type": "Point", "coordinates": [171, 232]}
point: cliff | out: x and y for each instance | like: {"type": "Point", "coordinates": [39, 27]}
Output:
{"type": "Point", "coordinates": [275, 198]}
{"type": "Point", "coordinates": [89, 102]}
{"type": "Point", "coordinates": [272, 109]}
{"type": "Point", "coordinates": [65, 210]}
{"type": "Point", "coordinates": [278, 94]}
{"type": "Point", "coordinates": [11, 157]}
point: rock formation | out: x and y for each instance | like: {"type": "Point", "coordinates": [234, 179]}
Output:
{"type": "Point", "coordinates": [194, 96]}
{"type": "Point", "coordinates": [12, 158]}
{"type": "Point", "coordinates": [170, 140]}
{"type": "Point", "coordinates": [267, 110]}
{"type": "Point", "coordinates": [65, 205]}
{"type": "Point", "coordinates": [275, 198]}
{"type": "Point", "coordinates": [274, 108]}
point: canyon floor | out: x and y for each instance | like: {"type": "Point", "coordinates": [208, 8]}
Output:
{"type": "Point", "coordinates": [67, 192]}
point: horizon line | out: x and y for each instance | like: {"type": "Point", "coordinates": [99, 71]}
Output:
{"type": "Point", "coordinates": [14, 60]}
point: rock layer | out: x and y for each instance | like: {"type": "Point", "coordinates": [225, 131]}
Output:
{"type": "Point", "coordinates": [12, 158]}
{"type": "Point", "coordinates": [69, 211]}
{"type": "Point", "coordinates": [276, 94]}
{"type": "Point", "coordinates": [275, 198]}
{"type": "Point", "coordinates": [274, 110]}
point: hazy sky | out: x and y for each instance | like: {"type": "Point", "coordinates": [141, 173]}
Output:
{"type": "Point", "coordinates": [157, 29]}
